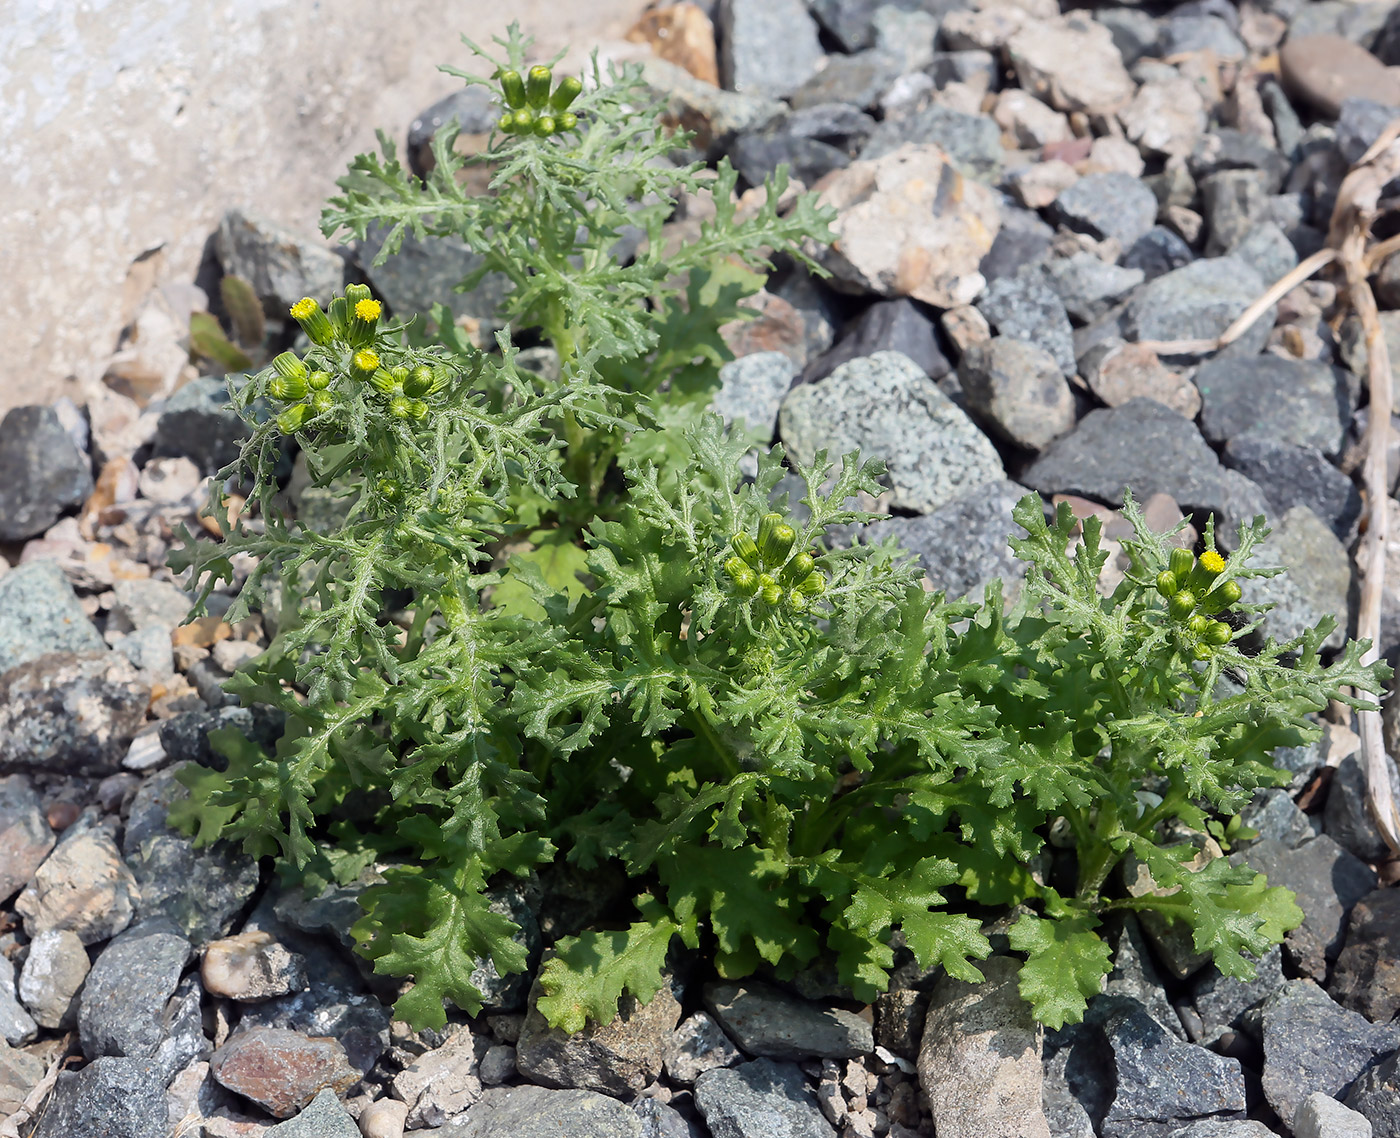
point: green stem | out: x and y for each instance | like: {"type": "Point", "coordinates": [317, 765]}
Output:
{"type": "Point", "coordinates": [729, 762]}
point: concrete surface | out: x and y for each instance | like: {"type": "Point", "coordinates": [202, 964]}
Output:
{"type": "Point", "coordinates": [132, 125]}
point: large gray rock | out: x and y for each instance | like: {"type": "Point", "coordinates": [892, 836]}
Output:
{"type": "Point", "coordinates": [539, 1112]}
{"type": "Point", "coordinates": [53, 973]}
{"type": "Point", "coordinates": [124, 1097]}
{"type": "Point", "coordinates": [1222, 1001]}
{"type": "Point", "coordinates": [1317, 582]}
{"type": "Point", "coordinates": [1303, 402]}
{"type": "Point", "coordinates": [42, 472]}
{"type": "Point", "coordinates": [965, 544]}
{"type": "Point", "coordinates": [426, 271]}
{"type": "Point", "coordinates": [886, 407]}
{"type": "Point", "coordinates": [972, 142]}
{"type": "Point", "coordinates": [122, 1011]}
{"type": "Point", "coordinates": [759, 1100]}
{"type": "Point", "coordinates": [696, 1046]}
{"type": "Point", "coordinates": [71, 714]}
{"type": "Point", "coordinates": [1148, 448]}
{"type": "Point", "coordinates": [1375, 1099]}
{"type": "Point", "coordinates": [767, 47]}
{"type": "Point", "coordinates": [980, 1061]}
{"type": "Point", "coordinates": [1019, 389]}
{"type": "Point", "coordinates": [198, 423]}
{"type": "Point", "coordinates": [1312, 1044]}
{"type": "Point", "coordinates": [1025, 306]}
{"type": "Point", "coordinates": [1198, 302]}
{"type": "Point", "coordinates": [752, 389]}
{"type": "Point", "coordinates": [281, 267]}
{"type": "Point", "coordinates": [1108, 205]}
{"type": "Point", "coordinates": [1291, 475]}
{"type": "Point", "coordinates": [17, 1026]}
{"type": "Point", "coordinates": [25, 837]}
{"type": "Point", "coordinates": [1366, 978]}
{"type": "Point", "coordinates": [323, 1117]}
{"type": "Point", "coordinates": [769, 1022]}
{"type": "Point", "coordinates": [40, 613]}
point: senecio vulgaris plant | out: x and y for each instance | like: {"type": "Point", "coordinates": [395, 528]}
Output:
{"type": "Point", "coordinates": [791, 749]}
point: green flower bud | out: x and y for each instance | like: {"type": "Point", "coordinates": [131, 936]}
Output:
{"type": "Point", "coordinates": [566, 121]}
{"type": "Point", "coordinates": [419, 382]}
{"type": "Point", "coordinates": [318, 380]}
{"type": "Point", "coordinates": [286, 390]}
{"type": "Point", "coordinates": [1166, 583]}
{"type": "Point", "coordinates": [385, 382]}
{"type": "Point", "coordinates": [1180, 562]}
{"type": "Point", "coordinates": [513, 88]}
{"type": "Point", "coordinates": [775, 538]}
{"type": "Point", "coordinates": [746, 548]}
{"type": "Point", "coordinates": [389, 489]}
{"type": "Point", "coordinates": [1182, 604]}
{"type": "Point", "coordinates": [797, 601]}
{"type": "Point", "coordinates": [537, 83]}
{"type": "Point", "coordinates": [744, 578]}
{"type": "Point", "coordinates": [354, 293]}
{"type": "Point", "coordinates": [1202, 652]}
{"type": "Point", "coordinates": [321, 402]}
{"type": "Point", "coordinates": [797, 569]}
{"type": "Point", "coordinates": [417, 410]}
{"type": "Point", "coordinates": [524, 120]}
{"type": "Point", "coordinates": [401, 407]}
{"type": "Point", "coordinates": [544, 126]}
{"type": "Point", "coordinates": [363, 317]}
{"type": "Point", "coordinates": [1221, 597]}
{"type": "Point", "coordinates": [564, 94]}
{"type": "Point", "coordinates": [291, 420]}
{"type": "Point", "coordinates": [1198, 624]}
{"type": "Point", "coordinates": [771, 594]}
{"type": "Point", "coordinates": [340, 316]}
{"type": "Point", "coordinates": [507, 123]}
{"type": "Point", "coordinates": [290, 366]}
{"type": "Point", "coordinates": [812, 585]}
{"type": "Point", "coordinates": [313, 321]}
{"type": "Point", "coordinates": [1217, 632]}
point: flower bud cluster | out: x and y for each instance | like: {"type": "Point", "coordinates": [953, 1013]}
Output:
{"type": "Point", "coordinates": [344, 338]}
{"type": "Point", "coordinates": [531, 108]}
{"type": "Point", "coordinates": [769, 570]}
{"type": "Point", "coordinates": [1193, 597]}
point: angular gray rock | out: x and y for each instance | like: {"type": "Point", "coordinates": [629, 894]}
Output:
{"type": "Point", "coordinates": [1019, 389]}
{"type": "Point", "coordinates": [138, 606]}
{"type": "Point", "coordinates": [1366, 978]}
{"type": "Point", "coordinates": [965, 544]}
{"type": "Point", "coordinates": [539, 1112]}
{"type": "Point", "coordinates": [1148, 448]}
{"type": "Point", "coordinates": [1197, 302]}
{"type": "Point", "coordinates": [25, 837]}
{"type": "Point", "coordinates": [886, 407]}
{"type": "Point", "coordinates": [697, 1045]}
{"type": "Point", "coordinates": [768, 1022]}
{"type": "Point", "coordinates": [17, 1026]}
{"type": "Point", "coordinates": [759, 1100]}
{"type": "Point", "coordinates": [197, 423]}
{"type": "Point", "coordinates": [971, 142]}
{"type": "Point", "coordinates": [443, 1082]}
{"type": "Point", "coordinates": [1327, 882]}
{"type": "Point", "coordinates": [1375, 1099]}
{"type": "Point", "coordinates": [281, 266]}
{"type": "Point", "coordinates": [322, 1117]}
{"type": "Point", "coordinates": [1303, 402]}
{"type": "Point", "coordinates": [123, 1005]}
{"type": "Point", "coordinates": [1107, 205]}
{"type": "Point", "coordinates": [1317, 583]}
{"type": "Point", "coordinates": [427, 271]}
{"type": "Point", "coordinates": [980, 1061]}
{"type": "Point", "coordinates": [895, 325]}
{"type": "Point", "coordinates": [1222, 1001]}
{"type": "Point", "coordinates": [53, 973]}
{"type": "Point", "coordinates": [1292, 475]}
{"type": "Point", "coordinates": [42, 473]}
{"type": "Point", "coordinates": [767, 47]}
{"type": "Point", "coordinates": [40, 613]}
{"type": "Point", "coordinates": [1312, 1044]}
{"type": "Point", "coordinates": [1025, 306]}
{"type": "Point", "coordinates": [125, 1096]}
{"type": "Point", "coordinates": [1321, 1116]}
{"type": "Point", "coordinates": [752, 389]}
{"type": "Point", "coordinates": [1346, 818]}
{"type": "Point", "coordinates": [617, 1058]}
{"type": "Point", "coordinates": [1089, 286]}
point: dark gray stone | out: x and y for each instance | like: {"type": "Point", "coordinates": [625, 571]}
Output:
{"type": "Point", "coordinates": [1317, 582]}
{"type": "Point", "coordinates": [769, 1022]}
{"type": "Point", "coordinates": [281, 266]}
{"type": "Point", "coordinates": [474, 109]}
{"type": "Point", "coordinates": [538, 1112]}
{"type": "Point", "coordinates": [1376, 1095]}
{"type": "Point", "coordinates": [758, 1100]}
{"type": "Point", "coordinates": [963, 545]}
{"type": "Point", "coordinates": [1026, 307]}
{"type": "Point", "coordinates": [661, 1121]}
{"type": "Point", "coordinates": [1148, 448]}
{"type": "Point", "coordinates": [112, 1097]}
{"type": "Point", "coordinates": [1345, 818]}
{"type": "Point", "coordinates": [1135, 33]}
{"type": "Point", "coordinates": [715, 115]}
{"type": "Point", "coordinates": [885, 406]}
{"type": "Point", "coordinates": [1075, 1094]}
{"type": "Point", "coordinates": [1366, 978]}
{"type": "Point", "coordinates": [71, 714]}
{"type": "Point", "coordinates": [1018, 389]}
{"type": "Point", "coordinates": [426, 272]}
{"type": "Point", "coordinates": [322, 1117]}
{"type": "Point", "coordinates": [1222, 1001]}
{"type": "Point", "coordinates": [851, 22]}
{"type": "Point", "coordinates": [1198, 302]}
{"type": "Point", "coordinates": [198, 423]}
{"type": "Point", "coordinates": [973, 142]}
{"type": "Point", "coordinates": [1157, 252]}
{"type": "Point", "coordinates": [25, 837]}
{"type": "Point", "coordinates": [333, 1004]}
{"type": "Point", "coordinates": [1229, 149]}
{"type": "Point", "coordinates": [201, 892]}
{"type": "Point", "coordinates": [1360, 124]}
{"type": "Point", "coordinates": [509, 992]}
{"type": "Point", "coordinates": [1313, 1044]}
{"type": "Point", "coordinates": [752, 389]}
{"type": "Point", "coordinates": [40, 613]}
{"type": "Point", "coordinates": [1232, 202]}
{"type": "Point", "coordinates": [898, 325]}
{"type": "Point", "coordinates": [766, 47]}
{"type": "Point", "coordinates": [1303, 762]}
{"type": "Point", "coordinates": [1134, 974]}
{"type": "Point", "coordinates": [1304, 402]}
{"type": "Point", "coordinates": [1107, 205]}
{"type": "Point", "coordinates": [122, 1007]}
{"type": "Point", "coordinates": [1089, 286]}
{"type": "Point", "coordinates": [1161, 1082]}
{"type": "Point", "coordinates": [1022, 240]}
{"type": "Point", "coordinates": [1266, 249]}
{"type": "Point", "coordinates": [757, 156]}
{"type": "Point", "coordinates": [858, 79]}
{"type": "Point", "coordinates": [1326, 881]}
{"type": "Point", "coordinates": [1274, 814]}
{"type": "Point", "coordinates": [972, 66]}
{"type": "Point", "coordinates": [42, 473]}
{"type": "Point", "coordinates": [1182, 34]}
{"type": "Point", "coordinates": [185, 737]}
{"type": "Point", "coordinates": [1293, 475]}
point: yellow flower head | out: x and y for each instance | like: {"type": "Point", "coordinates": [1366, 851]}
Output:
{"type": "Point", "coordinates": [303, 308]}
{"type": "Point", "coordinates": [366, 360]}
{"type": "Point", "coordinates": [1212, 562]}
{"type": "Point", "coordinates": [368, 310]}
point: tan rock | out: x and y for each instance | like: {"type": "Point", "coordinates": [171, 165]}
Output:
{"type": "Point", "coordinates": [966, 326]}
{"type": "Point", "coordinates": [988, 30]}
{"type": "Point", "coordinates": [1119, 372]}
{"type": "Point", "coordinates": [1071, 63]}
{"type": "Point", "coordinates": [681, 34]}
{"type": "Point", "coordinates": [1039, 184]}
{"type": "Point", "coordinates": [776, 327]}
{"type": "Point", "coordinates": [1165, 116]}
{"type": "Point", "coordinates": [1029, 121]}
{"type": "Point", "coordinates": [909, 224]}
{"type": "Point", "coordinates": [84, 886]}
{"type": "Point", "coordinates": [383, 1118]}
{"type": "Point", "coordinates": [1322, 71]}
{"type": "Point", "coordinates": [251, 966]}
{"type": "Point", "coordinates": [442, 1082]}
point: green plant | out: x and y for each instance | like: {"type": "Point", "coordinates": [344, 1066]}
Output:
{"type": "Point", "coordinates": [792, 749]}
